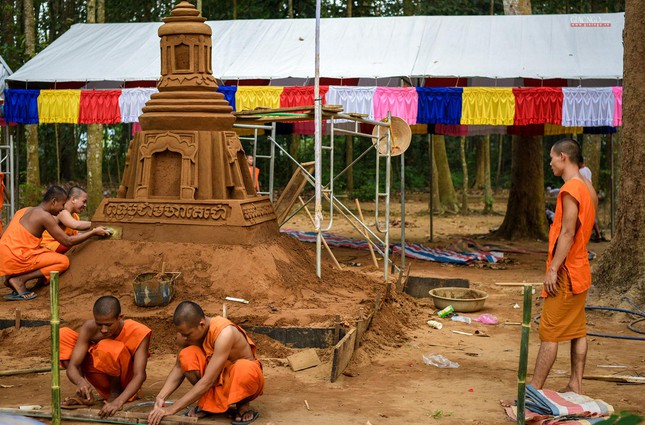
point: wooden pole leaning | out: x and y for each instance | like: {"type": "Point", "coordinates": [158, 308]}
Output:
{"type": "Point", "coordinates": [331, 254]}
{"type": "Point", "coordinates": [55, 336]}
{"type": "Point", "coordinates": [524, 355]}
{"type": "Point", "coordinates": [365, 234]}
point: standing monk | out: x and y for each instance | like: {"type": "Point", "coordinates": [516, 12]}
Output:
{"type": "Point", "coordinates": [219, 360]}
{"type": "Point", "coordinates": [109, 354]}
{"type": "Point", "coordinates": [68, 220]}
{"type": "Point", "coordinates": [568, 275]}
{"type": "Point", "coordinates": [22, 258]}
{"type": "Point", "coordinates": [255, 172]}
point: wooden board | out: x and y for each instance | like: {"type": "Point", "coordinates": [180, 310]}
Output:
{"type": "Point", "coordinates": [303, 360]}
{"type": "Point", "coordinates": [343, 352]}
{"type": "Point", "coordinates": [361, 327]}
{"type": "Point", "coordinates": [291, 192]}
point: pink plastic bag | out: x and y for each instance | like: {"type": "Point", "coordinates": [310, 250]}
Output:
{"type": "Point", "coordinates": [487, 319]}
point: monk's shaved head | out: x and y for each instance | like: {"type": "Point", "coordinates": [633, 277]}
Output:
{"type": "Point", "coordinates": [55, 192]}
{"type": "Point", "coordinates": [188, 313]}
{"type": "Point", "coordinates": [107, 306]}
{"type": "Point", "coordinates": [570, 148]}
{"type": "Point", "coordinates": [75, 192]}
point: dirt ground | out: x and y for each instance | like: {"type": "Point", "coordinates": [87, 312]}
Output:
{"type": "Point", "coordinates": [387, 381]}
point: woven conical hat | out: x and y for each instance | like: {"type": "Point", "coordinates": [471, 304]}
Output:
{"type": "Point", "coordinates": [401, 136]}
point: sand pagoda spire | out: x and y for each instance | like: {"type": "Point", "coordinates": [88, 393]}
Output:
{"type": "Point", "coordinates": [187, 166]}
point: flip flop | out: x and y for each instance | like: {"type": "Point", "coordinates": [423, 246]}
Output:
{"type": "Point", "coordinates": [23, 296]}
{"type": "Point", "coordinates": [240, 414]}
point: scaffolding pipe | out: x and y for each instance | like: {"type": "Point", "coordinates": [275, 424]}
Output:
{"type": "Point", "coordinates": [317, 146]}
{"type": "Point", "coordinates": [403, 210]}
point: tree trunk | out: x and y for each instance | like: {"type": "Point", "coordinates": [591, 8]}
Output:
{"type": "Point", "coordinates": [464, 169]}
{"type": "Point", "coordinates": [591, 155]}
{"type": "Point", "coordinates": [525, 212]}
{"type": "Point", "coordinates": [621, 269]}
{"type": "Point", "coordinates": [349, 157]}
{"type": "Point", "coordinates": [446, 188]}
{"type": "Point", "coordinates": [500, 157]}
{"type": "Point", "coordinates": [33, 166]}
{"type": "Point", "coordinates": [480, 160]}
{"type": "Point", "coordinates": [434, 184]}
{"type": "Point", "coordinates": [100, 11]}
{"type": "Point", "coordinates": [488, 192]}
{"type": "Point", "coordinates": [91, 11]}
{"type": "Point", "coordinates": [94, 166]}
{"type": "Point", "coordinates": [294, 150]}
{"type": "Point", "coordinates": [517, 7]}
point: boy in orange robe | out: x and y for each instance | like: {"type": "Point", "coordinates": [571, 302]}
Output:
{"type": "Point", "coordinates": [568, 275]}
{"type": "Point", "coordinates": [68, 220]}
{"type": "Point", "coordinates": [22, 258]}
{"type": "Point", "coordinates": [109, 354]}
{"type": "Point", "coordinates": [219, 360]}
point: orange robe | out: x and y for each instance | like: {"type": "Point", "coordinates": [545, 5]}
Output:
{"type": "Point", "coordinates": [237, 381]}
{"type": "Point", "coordinates": [108, 357]}
{"type": "Point", "coordinates": [21, 252]}
{"type": "Point", "coordinates": [256, 182]}
{"type": "Point", "coordinates": [52, 244]}
{"type": "Point", "coordinates": [563, 316]}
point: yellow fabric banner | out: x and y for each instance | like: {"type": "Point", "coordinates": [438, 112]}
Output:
{"type": "Point", "coordinates": [59, 106]}
{"type": "Point", "coordinates": [487, 106]}
{"type": "Point", "coordinates": [251, 97]}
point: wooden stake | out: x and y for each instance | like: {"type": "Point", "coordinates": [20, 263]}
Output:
{"type": "Point", "coordinates": [331, 254]}
{"type": "Point", "coordinates": [24, 371]}
{"type": "Point", "coordinates": [337, 328]}
{"type": "Point", "coordinates": [365, 234]}
{"type": "Point", "coordinates": [524, 356]}
{"type": "Point", "coordinates": [224, 311]}
{"type": "Point", "coordinates": [55, 359]}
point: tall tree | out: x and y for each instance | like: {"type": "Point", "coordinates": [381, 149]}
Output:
{"type": "Point", "coordinates": [33, 161]}
{"type": "Point", "coordinates": [464, 169]}
{"type": "Point", "coordinates": [621, 269]}
{"type": "Point", "coordinates": [488, 192]}
{"type": "Point", "coordinates": [446, 188]}
{"type": "Point", "coordinates": [94, 145]}
{"type": "Point", "coordinates": [525, 217]}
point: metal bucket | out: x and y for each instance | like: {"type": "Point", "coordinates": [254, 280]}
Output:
{"type": "Point", "coordinates": [154, 289]}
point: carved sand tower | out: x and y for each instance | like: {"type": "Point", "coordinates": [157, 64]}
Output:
{"type": "Point", "coordinates": [186, 177]}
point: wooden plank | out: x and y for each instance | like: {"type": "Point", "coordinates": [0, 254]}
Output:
{"type": "Point", "coordinates": [25, 371]}
{"type": "Point", "coordinates": [127, 418]}
{"type": "Point", "coordinates": [343, 352]}
{"type": "Point", "coordinates": [291, 192]}
{"type": "Point", "coordinates": [518, 283]}
{"type": "Point", "coordinates": [303, 360]}
{"type": "Point", "coordinates": [361, 327]}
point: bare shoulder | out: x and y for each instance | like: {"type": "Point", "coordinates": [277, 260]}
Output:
{"type": "Point", "coordinates": [88, 330]}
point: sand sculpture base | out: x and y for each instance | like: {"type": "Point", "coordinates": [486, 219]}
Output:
{"type": "Point", "coordinates": [224, 222]}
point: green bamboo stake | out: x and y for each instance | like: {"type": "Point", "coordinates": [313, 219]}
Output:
{"type": "Point", "coordinates": [55, 329]}
{"type": "Point", "coordinates": [524, 356]}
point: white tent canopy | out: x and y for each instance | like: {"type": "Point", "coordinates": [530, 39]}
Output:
{"type": "Point", "coordinates": [533, 46]}
{"type": "Point", "coordinates": [5, 71]}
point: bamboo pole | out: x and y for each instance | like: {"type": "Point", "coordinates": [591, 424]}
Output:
{"type": "Point", "coordinates": [55, 332]}
{"type": "Point", "coordinates": [524, 356]}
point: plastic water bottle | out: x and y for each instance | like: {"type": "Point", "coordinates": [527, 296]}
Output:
{"type": "Point", "coordinates": [462, 319]}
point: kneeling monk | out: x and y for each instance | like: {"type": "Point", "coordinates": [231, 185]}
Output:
{"type": "Point", "coordinates": [109, 354]}
{"type": "Point", "coordinates": [22, 258]}
{"type": "Point", "coordinates": [219, 360]}
{"type": "Point", "coordinates": [69, 220]}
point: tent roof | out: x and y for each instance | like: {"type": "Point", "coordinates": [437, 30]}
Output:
{"type": "Point", "coordinates": [5, 71]}
{"type": "Point", "coordinates": [532, 46]}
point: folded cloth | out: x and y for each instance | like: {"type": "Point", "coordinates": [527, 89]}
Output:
{"type": "Point", "coordinates": [550, 402]}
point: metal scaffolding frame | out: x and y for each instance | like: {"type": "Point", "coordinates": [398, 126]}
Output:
{"type": "Point", "coordinates": [8, 168]}
{"type": "Point", "coordinates": [383, 158]}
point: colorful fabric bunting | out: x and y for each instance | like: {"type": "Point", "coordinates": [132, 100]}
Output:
{"type": "Point", "coordinates": [618, 106]}
{"type": "Point", "coordinates": [100, 107]}
{"type": "Point", "coordinates": [588, 107]}
{"type": "Point", "coordinates": [439, 105]}
{"type": "Point", "coordinates": [59, 106]}
{"type": "Point", "coordinates": [21, 106]}
{"type": "Point", "coordinates": [229, 94]}
{"type": "Point", "coordinates": [132, 102]}
{"type": "Point", "coordinates": [487, 106]}
{"type": "Point", "coordinates": [400, 102]}
{"type": "Point", "coordinates": [358, 100]}
{"type": "Point", "coordinates": [251, 97]}
{"type": "Point", "coordinates": [301, 96]}
{"type": "Point", "coordinates": [539, 105]}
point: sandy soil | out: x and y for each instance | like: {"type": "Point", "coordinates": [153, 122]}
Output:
{"type": "Point", "coordinates": [387, 381]}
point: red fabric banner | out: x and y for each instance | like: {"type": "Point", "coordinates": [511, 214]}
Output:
{"type": "Point", "coordinates": [100, 107]}
{"type": "Point", "coordinates": [539, 105]}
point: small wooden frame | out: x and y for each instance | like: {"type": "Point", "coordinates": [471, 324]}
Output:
{"type": "Point", "coordinates": [343, 352]}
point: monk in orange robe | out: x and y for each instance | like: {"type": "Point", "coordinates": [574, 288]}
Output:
{"type": "Point", "coordinates": [108, 354]}
{"type": "Point", "coordinates": [22, 258]}
{"type": "Point", "coordinates": [568, 275]}
{"type": "Point", "coordinates": [254, 171]}
{"type": "Point", "coordinates": [68, 219]}
{"type": "Point", "coordinates": [219, 359]}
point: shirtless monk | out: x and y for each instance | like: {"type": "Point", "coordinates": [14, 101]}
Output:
{"type": "Point", "coordinates": [568, 275]}
{"type": "Point", "coordinates": [22, 258]}
{"type": "Point", "coordinates": [109, 354]}
{"type": "Point", "coordinates": [219, 360]}
{"type": "Point", "coordinates": [68, 220]}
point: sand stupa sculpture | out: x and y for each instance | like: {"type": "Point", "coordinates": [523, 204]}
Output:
{"type": "Point", "coordinates": [186, 177]}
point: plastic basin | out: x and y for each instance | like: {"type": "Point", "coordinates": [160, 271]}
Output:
{"type": "Point", "coordinates": [463, 300]}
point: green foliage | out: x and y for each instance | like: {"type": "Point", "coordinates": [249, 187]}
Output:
{"type": "Point", "coordinates": [623, 418]}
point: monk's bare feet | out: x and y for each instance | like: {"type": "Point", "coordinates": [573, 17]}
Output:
{"type": "Point", "coordinates": [18, 286]}
{"type": "Point", "coordinates": [245, 415]}
{"type": "Point", "coordinates": [570, 389]}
